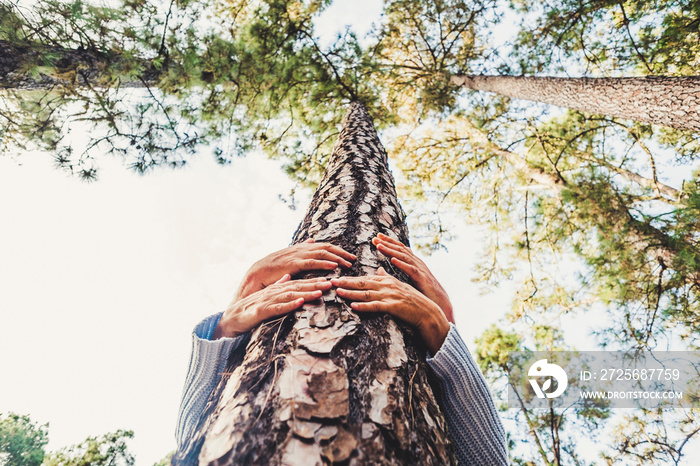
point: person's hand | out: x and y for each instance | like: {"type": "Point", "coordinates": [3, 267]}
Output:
{"type": "Point", "coordinates": [384, 293]}
{"type": "Point", "coordinates": [280, 298]}
{"type": "Point", "coordinates": [403, 258]}
{"type": "Point", "coordinates": [301, 257]}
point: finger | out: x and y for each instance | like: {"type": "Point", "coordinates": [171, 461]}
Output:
{"type": "Point", "coordinates": [329, 255]}
{"type": "Point", "coordinates": [356, 283]}
{"type": "Point", "coordinates": [285, 278]}
{"type": "Point", "coordinates": [373, 306]}
{"type": "Point", "coordinates": [389, 239]}
{"type": "Point", "coordinates": [290, 296]}
{"type": "Point", "coordinates": [310, 240]}
{"type": "Point", "coordinates": [311, 284]}
{"type": "Point", "coordinates": [381, 271]}
{"type": "Point", "coordinates": [359, 295]}
{"type": "Point", "coordinates": [316, 264]}
{"type": "Point", "coordinates": [338, 251]}
{"type": "Point", "coordinates": [282, 308]}
{"type": "Point", "coordinates": [392, 251]}
{"type": "Point", "coordinates": [410, 269]}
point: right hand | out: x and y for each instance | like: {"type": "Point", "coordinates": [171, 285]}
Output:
{"type": "Point", "coordinates": [301, 257]}
{"type": "Point", "coordinates": [384, 293]}
{"type": "Point", "coordinates": [281, 297]}
{"type": "Point", "coordinates": [403, 258]}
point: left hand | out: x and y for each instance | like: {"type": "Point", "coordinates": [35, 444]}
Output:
{"type": "Point", "coordinates": [384, 293]}
{"type": "Point", "coordinates": [301, 257]}
{"type": "Point", "coordinates": [280, 298]}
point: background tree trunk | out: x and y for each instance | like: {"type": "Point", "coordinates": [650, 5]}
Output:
{"type": "Point", "coordinates": [68, 67]}
{"type": "Point", "coordinates": [323, 385]}
{"type": "Point", "coordinates": [660, 100]}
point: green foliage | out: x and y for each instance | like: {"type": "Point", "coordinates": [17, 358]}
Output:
{"type": "Point", "coordinates": [233, 75]}
{"type": "Point", "coordinates": [606, 37]}
{"type": "Point", "coordinates": [22, 443]}
{"type": "Point", "coordinates": [21, 440]}
{"type": "Point", "coordinates": [421, 44]}
{"type": "Point", "coordinates": [539, 436]}
{"type": "Point", "coordinates": [107, 450]}
{"type": "Point", "coordinates": [578, 211]}
{"type": "Point", "coordinates": [493, 348]}
{"type": "Point", "coordinates": [166, 459]}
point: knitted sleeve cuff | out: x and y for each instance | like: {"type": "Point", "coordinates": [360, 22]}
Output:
{"type": "Point", "coordinates": [452, 355]}
{"type": "Point", "coordinates": [207, 362]}
{"type": "Point", "coordinates": [205, 329]}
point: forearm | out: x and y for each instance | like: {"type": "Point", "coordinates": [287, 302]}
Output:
{"type": "Point", "coordinates": [474, 425]}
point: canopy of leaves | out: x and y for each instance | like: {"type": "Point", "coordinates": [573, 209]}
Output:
{"type": "Point", "coordinates": [155, 80]}
{"type": "Point", "coordinates": [21, 440]}
{"type": "Point", "coordinates": [22, 443]}
{"type": "Point", "coordinates": [107, 450]}
{"type": "Point", "coordinates": [603, 37]}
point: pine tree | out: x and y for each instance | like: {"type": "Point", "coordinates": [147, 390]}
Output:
{"type": "Point", "coordinates": [324, 385]}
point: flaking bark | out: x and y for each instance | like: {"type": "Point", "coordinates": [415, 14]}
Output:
{"type": "Point", "coordinates": [660, 100]}
{"type": "Point", "coordinates": [326, 386]}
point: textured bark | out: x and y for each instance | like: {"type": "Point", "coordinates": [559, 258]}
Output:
{"type": "Point", "coordinates": [660, 100]}
{"type": "Point", "coordinates": [71, 67]}
{"type": "Point", "coordinates": [324, 385]}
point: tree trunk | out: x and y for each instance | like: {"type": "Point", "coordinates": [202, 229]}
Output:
{"type": "Point", "coordinates": [660, 100]}
{"type": "Point", "coordinates": [324, 385]}
{"type": "Point", "coordinates": [67, 67]}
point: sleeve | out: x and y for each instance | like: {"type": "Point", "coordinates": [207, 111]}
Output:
{"type": "Point", "coordinates": [207, 362]}
{"type": "Point", "coordinates": [476, 429]}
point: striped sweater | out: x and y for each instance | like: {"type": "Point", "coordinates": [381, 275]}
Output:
{"type": "Point", "coordinates": [474, 425]}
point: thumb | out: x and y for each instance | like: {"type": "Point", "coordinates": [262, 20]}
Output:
{"type": "Point", "coordinates": [381, 271]}
{"type": "Point", "coordinates": [310, 240]}
{"type": "Point", "coordinates": [285, 278]}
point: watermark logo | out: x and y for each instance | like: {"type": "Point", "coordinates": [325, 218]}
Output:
{"type": "Point", "coordinates": [542, 368]}
{"type": "Point", "coordinates": [604, 379]}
